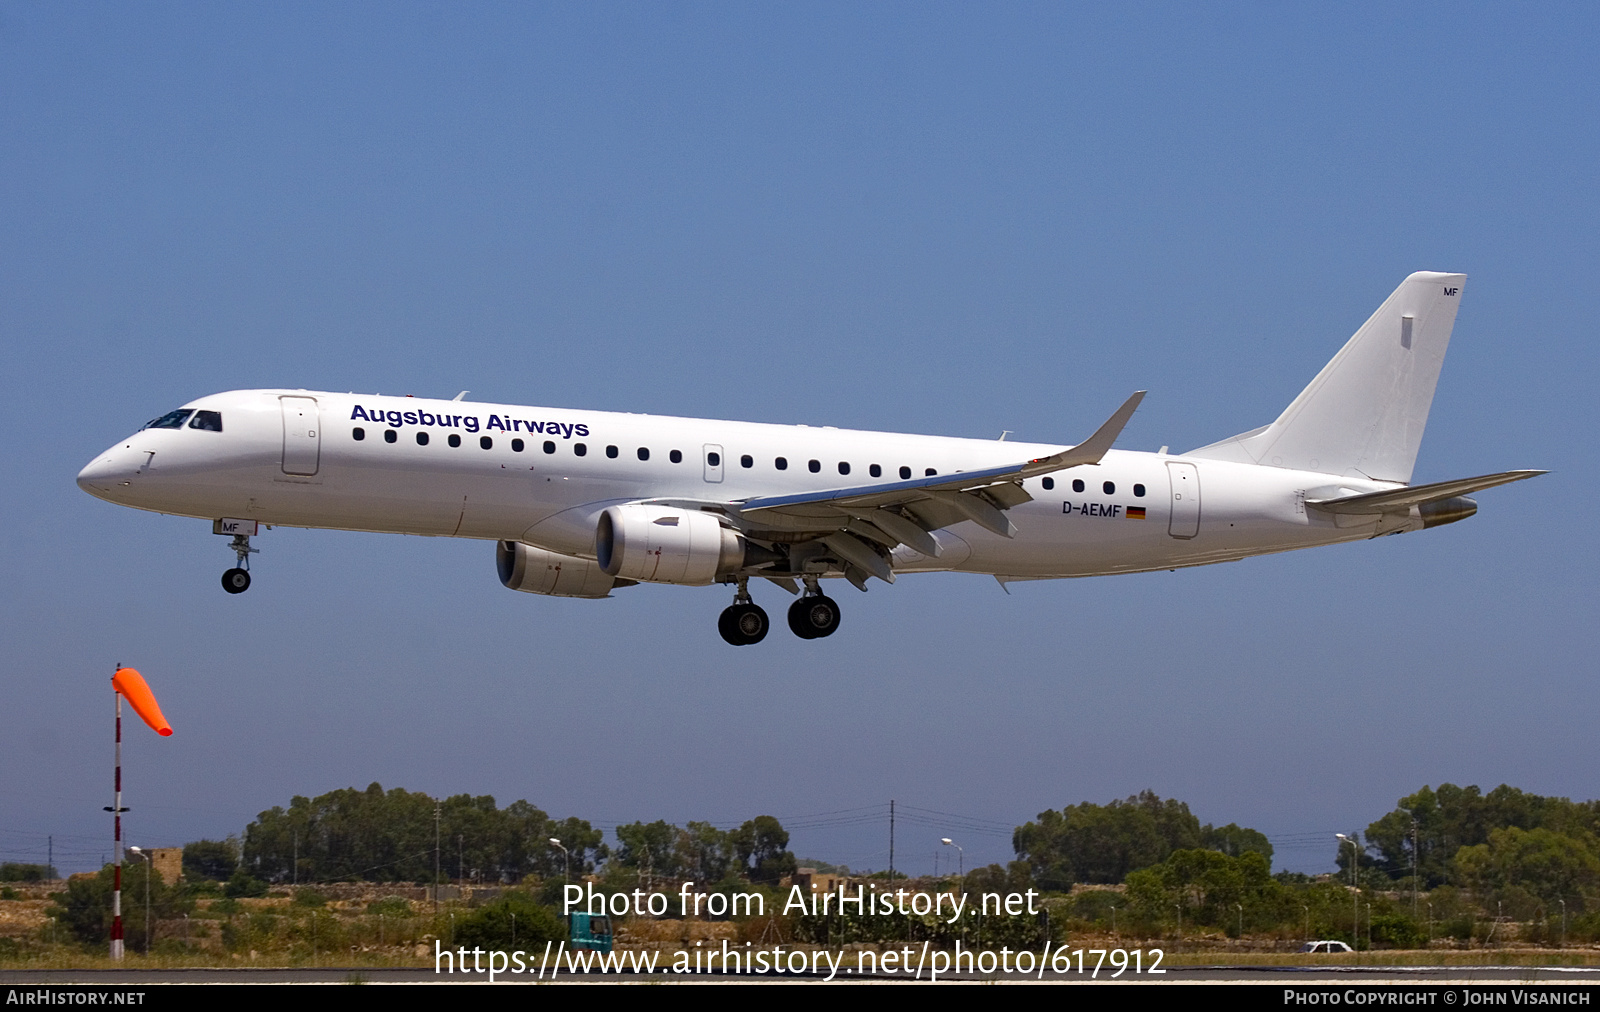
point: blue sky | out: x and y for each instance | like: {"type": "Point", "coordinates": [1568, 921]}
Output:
{"type": "Point", "coordinates": [952, 219]}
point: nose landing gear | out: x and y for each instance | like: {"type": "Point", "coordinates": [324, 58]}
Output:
{"type": "Point", "coordinates": [744, 622]}
{"type": "Point", "coordinates": [237, 580]}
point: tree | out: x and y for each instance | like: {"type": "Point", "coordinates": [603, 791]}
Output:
{"type": "Point", "coordinates": [1103, 843]}
{"type": "Point", "coordinates": [760, 847]}
{"type": "Point", "coordinates": [213, 860]}
{"type": "Point", "coordinates": [84, 908]}
{"type": "Point", "coordinates": [388, 836]}
{"type": "Point", "coordinates": [514, 921]}
{"type": "Point", "coordinates": [649, 847]}
{"type": "Point", "coordinates": [1454, 817]}
{"type": "Point", "coordinates": [12, 871]}
{"type": "Point", "coordinates": [1209, 886]}
{"type": "Point", "coordinates": [1545, 865]}
{"type": "Point", "coordinates": [1234, 840]}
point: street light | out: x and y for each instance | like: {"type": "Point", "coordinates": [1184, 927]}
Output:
{"type": "Point", "coordinates": [1355, 900]}
{"type": "Point", "coordinates": [148, 867]}
{"type": "Point", "coordinates": [961, 857]}
{"type": "Point", "coordinates": [566, 856]}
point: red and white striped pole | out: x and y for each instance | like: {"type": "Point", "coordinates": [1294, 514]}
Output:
{"type": "Point", "coordinates": [116, 822]}
{"type": "Point", "coordinates": [128, 682]}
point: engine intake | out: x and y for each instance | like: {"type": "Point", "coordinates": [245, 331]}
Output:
{"type": "Point", "coordinates": [661, 544]}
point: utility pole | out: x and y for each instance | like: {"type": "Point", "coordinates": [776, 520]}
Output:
{"type": "Point", "coordinates": [436, 860]}
{"type": "Point", "coordinates": [1414, 884]}
{"type": "Point", "coordinates": [891, 839]}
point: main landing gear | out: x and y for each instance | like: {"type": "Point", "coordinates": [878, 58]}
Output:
{"type": "Point", "coordinates": [814, 615]}
{"type": "Point", "coordinates": [237, 579]}
{"type": "Point", "coordinates": [744, 622]}
{"type": "Point", "coordinates": [811, 617]}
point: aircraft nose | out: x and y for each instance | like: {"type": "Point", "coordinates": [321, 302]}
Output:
{"type": "Point", "coordinates": [105, 473]}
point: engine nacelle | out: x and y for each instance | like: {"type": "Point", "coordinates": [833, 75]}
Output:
{"type": "Point", "coordinates": [660, 544]}
{"type": "Point", "coordinates": [536, 571]}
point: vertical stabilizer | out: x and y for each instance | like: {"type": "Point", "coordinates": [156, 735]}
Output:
{"type": "Point", "coordinates": [1364, 413]}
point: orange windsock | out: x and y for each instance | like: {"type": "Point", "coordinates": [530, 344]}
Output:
{"type": "Point", "coordinates": [134, 689]}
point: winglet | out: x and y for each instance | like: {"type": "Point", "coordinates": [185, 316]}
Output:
{"type": "Point", "coordinates": [1092, 449]}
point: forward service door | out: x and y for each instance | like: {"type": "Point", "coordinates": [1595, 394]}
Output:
{"type": "Point", "coordinates": [302, 439]}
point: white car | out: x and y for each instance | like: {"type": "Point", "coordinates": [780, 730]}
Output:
{"type": "Point", "coordinates": [1326, 946]}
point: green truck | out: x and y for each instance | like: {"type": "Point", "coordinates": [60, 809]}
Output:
{"type": "Point", "coordinates": [589, 931]}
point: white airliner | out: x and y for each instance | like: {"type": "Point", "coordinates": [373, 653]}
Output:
{"type": "Point", "coordinates": [582, 502]}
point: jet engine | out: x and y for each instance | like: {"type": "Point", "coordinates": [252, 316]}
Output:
{"type": "Point", "coordinates": [536, 571]}
{"type": "Point", "coordinates": [661, 544]}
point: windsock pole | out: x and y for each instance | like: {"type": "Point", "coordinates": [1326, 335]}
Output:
{"type": "Point", "coordinates": [128, 682]}
{"type": "Point", "coordinates": [116, 822]}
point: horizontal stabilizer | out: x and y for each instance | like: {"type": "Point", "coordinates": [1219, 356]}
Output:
{"type": "Point", "coordinates": [1416, 495]}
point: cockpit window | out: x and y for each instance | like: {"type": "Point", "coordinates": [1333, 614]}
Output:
{"type": "Point", "coordinates": [211, 421]}
{"type": "Point", "coordinates": [170, 420]}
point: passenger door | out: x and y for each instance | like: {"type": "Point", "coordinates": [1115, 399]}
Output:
{"type": "Point", "coordinates": [302, 440]}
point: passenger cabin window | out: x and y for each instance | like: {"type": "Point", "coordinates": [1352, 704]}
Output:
{"type": "Point", "coordinates": [517, 446]}
{"type": "Point", "coordinates": [844, 467]}
{"type": "Point", "coordinates": [170, 420]}
{"type": "Point", "coordinates": [676, 456]}
{"type": "Point", "coordinates": [644, 454]}
{"type": "Point", "coordinates": [1138, 491]}
{"type": "Point", "coordinates": [578, 449]}
{"type": "Point", "coordinates": [714, 459]}
{"type": "Point", "coordinates": [422, 439]}
{"type": "Point", "coordinates": [782, 463]}
{"type": "Point", "coordinates": [1109, 488]}
{"type": "Point", "coordinates": [389, 435]}
{"type": "Point", "coordinates": [905, 473]}
{"type": "Point", "coordinates": [210, 421]}
{"type": "Point", "coordinates": [486, 442]}
{"type": "Point", "coordinates": [1077, 484]}
{"type": "Point", "coordinates": [611, 451]}
{"type": "Point", "coordinates": [358, 433]}
{"type": "Point", "coordinates": [814, 465]}
{"type": "Point", "coordinates": [876, 471]}
{"type": "Point", "coordinates": [549, 446]}
{"type": "Point", "coordinates": [455, 440]}
{"type": "Point", "coordinates": [1048, 483]}
{"type": "Point", "coordinates": [930, 472]}
{"type": "Point", "coordinates": [747, 461]}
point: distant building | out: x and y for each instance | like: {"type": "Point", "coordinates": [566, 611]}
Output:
{"type": "Point", "coordinates": [168, 863]}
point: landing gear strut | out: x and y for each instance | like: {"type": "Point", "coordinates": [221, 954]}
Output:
{"type": "Point", "coordinates": [237, 580]}
{"type": "Point", "coordinates": [744, 622]}
{"type": "Point", "coordinates": [814, 615]}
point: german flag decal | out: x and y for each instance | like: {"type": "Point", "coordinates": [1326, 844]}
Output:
{"type": "Point", "coordinates": [1135, 512]}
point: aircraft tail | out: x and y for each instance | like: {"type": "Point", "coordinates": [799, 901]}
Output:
{"type": "Point", "coordinates": [1365, 411]}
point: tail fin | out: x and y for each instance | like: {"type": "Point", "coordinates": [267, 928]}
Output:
{"type": "Point", "coordinates": [1365, 412]}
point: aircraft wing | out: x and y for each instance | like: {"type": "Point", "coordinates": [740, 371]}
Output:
{"type": "Point", "coordinates": [1416, 495]}
{"type": "Point", "coordinates": [861, 523]}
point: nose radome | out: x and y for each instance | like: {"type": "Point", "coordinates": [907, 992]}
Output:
{"type": "Point", "coordinates": [103, 473]}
